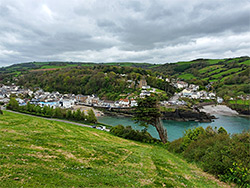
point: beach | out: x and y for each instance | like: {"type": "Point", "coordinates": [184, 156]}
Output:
{"type": "Point", "coordinates": [219, 109]}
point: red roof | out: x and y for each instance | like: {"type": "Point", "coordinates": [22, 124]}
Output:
{"type": "Point", "coordinates": [124, 100]}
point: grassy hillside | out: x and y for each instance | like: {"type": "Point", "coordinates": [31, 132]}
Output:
{"type": "Point", "coordinates": [207, 69]}
{"type": "Point", "coordinates": [230, 76]}
{"type": "Point", "coordinates": [38, 153]}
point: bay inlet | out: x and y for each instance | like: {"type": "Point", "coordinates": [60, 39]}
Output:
{"type": "Point", "coordinates": [175, 129]}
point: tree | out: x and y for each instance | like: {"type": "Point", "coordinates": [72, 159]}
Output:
{"type": "Point", "coordinates": [78, 115]}
{"type": "Point", "coordinates": [148, 113]}
{"type": "Point", "coordinates": [13, 104]}
{"type": "Point", "coordinates": [57, 113]}
{"type": "Point", "coordinates": [68, 114]}
{"type": "Point", "coordinates": [91, 116]}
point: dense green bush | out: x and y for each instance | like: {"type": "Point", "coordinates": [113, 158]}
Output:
{"type": "Point", "coordinates": [129, 133]}
{"type": "Point", "coordinates": [217, 152]}
{"type": "Point", "coordinates": [237, 174]}
{"type": "Point", "coordinates": [1, 112]}
{"type": "Point", "coordinates": [176, 146]}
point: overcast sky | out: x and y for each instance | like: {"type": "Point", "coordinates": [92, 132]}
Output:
{"type": "Point", "coordinates": [155, 31]}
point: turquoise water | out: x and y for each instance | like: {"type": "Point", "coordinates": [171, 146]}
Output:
{"type": "Point", "coordinates": [233, 124]}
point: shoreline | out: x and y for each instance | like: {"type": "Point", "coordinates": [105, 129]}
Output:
{"type": "Point", "coordinates": [219, 110]}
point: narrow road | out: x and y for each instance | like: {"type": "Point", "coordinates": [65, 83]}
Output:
{"type": "Point", "coordinates": [50, 119]}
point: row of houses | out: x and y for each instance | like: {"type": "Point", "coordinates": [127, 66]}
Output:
{"type": "Point", "coordinates": [185, 85]}
{"type": "Point", "coordinates": [204, 95]}
{"type": "Point", "coordinates": [94, 100]}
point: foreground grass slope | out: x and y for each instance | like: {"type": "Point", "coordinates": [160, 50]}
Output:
{"type": "Point", "coordinates": [35, 153]}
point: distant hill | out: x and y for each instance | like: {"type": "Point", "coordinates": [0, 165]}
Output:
{"type": "Point", "coordinates": [22, 67]}
{"type": "Point", "coordinates": [107, 81]}
{"type": "Point", "coordinates": [229, 76]}
{"type": "Point", "coordinates": [40, 153]}
{"type": "Point", "coordinates": [206, 69]}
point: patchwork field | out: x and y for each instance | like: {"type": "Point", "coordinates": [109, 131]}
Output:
{"type": "Point", "coordinates": [40, 153]}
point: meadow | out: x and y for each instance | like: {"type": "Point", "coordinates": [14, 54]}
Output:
{"type": "Point", "coordinates": [41, 153]}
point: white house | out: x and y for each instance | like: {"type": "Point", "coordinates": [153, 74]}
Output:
{"type": "Point", "coordinates": [194, 87]}
{"type": "Point", "coordinates": [211, 95]}
{"type": "Point", "coordinates": [181, 84]}
{"type": "Point", "coordinates": [186, 93]}
{"type": "Point", "coordinates": [195, 95]}
{"type": "Point", "coordinates": [124, 102]}
{"type": "Point", "coordinates": [133, 103]}
{"type": "Point", "coordinates": [144, 93]}
{"type": "Point", "coordinates": [67, 103]}
{"type": "Point", "coordinates": [145, 87]}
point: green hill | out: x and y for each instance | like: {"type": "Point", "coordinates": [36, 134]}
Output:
{"type": "Point", "coordinates": [22, 67]}
{"type": "Point", "coordinates": [206, 69]}
{"type": "Point", "coordinates": [40, 153]}
{"type": "Point", "coordinates": [229, 76]}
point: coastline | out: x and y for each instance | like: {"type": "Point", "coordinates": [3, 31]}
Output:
{"type": "Point", "coordinates": [177, 115]}
{"type": "Point", "coordinates": [219, 110]}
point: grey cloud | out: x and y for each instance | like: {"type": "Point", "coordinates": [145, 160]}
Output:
{"type": "Point", "coordinates": [169, 29]}
{"type": "Point", "coordinates": [134, 30]}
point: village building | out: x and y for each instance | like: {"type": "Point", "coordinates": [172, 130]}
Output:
{"type": "Point", "coordinates": [181, 84]}
{"type": "Point", "coordinates": [81, 98]}
{"type": "Point", "coordinates": [67, 103]}
{"type": "Point", "coordinates": [142, 83]}
{"type": "Point", "coordinates": [124, 102]}
{"type": "Point", "coordinates": [133, 103]}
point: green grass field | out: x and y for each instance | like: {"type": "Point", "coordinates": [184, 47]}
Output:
{"type": "Point", "coordinates": [40, 153]}
{"type": "Point", "coordinates": [214, 61]}
{"type": "Point", "coordinates": [240, 101]}
{"type": "Point", "coordinates": [57, 66]}
{"type": "Point", "coordinates": [234, 70]}
{"type": "Point", "coordinates": [187, 76]}
{"type": "Point", "coordinates": [216, 71]}
{"type": "Point", "coordinates": [246, 63]}
{"type": "Point", "coordinates": [210, 68]}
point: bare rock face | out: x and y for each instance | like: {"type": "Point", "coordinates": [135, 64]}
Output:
{"type": "Point", "coordinates": [177, 115]}
{"type": "Point", "coordinates": [188, 115]}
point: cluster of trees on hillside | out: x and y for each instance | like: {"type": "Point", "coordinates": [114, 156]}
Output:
{"type": "Point", "coordinates": [105, 81]}
{"type": "Point", "coordinates": [50, 112]}
{"type": "Point", "coordinates": [217, 152]}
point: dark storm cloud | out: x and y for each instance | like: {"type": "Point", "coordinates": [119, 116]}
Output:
{"type": "Point", "coordinates": [149, 30]}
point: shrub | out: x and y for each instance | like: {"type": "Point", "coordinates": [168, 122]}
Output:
{"type": "Point", "coordinates": [237, 174]}
{"type": "Point", "coordinates": [129, 133]}
{"type": "Point", "coordinates": [13, 104]}
{"type": "Point", "coordinates": [225, 156]}
{"type": "Point", "coordinates": [176, 146]}
{"type": "Point", "coordinates": [191, 135]}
